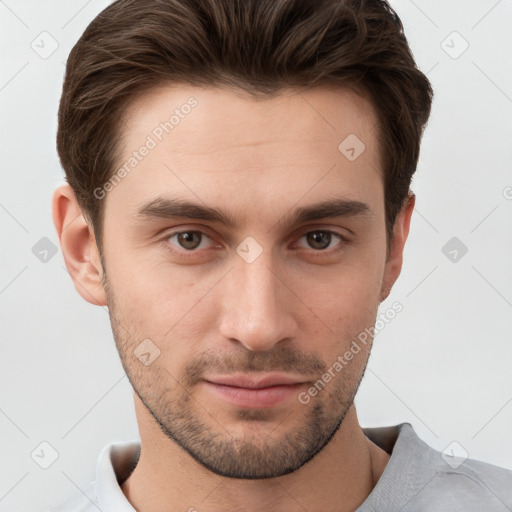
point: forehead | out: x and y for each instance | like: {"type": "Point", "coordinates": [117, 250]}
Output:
{"type": "Point", "coordinates": [225, 118]}
{"type": "Point", "coordinates": [219, 145]}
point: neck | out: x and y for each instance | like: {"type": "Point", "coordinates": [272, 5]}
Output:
{"type": "Point", "coordinates": [340, 477]}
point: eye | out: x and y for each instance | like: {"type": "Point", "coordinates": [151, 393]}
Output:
{"type": "Point", "coordinates": [320, 240]}
{"type": "Point", "coordinates": [189, 240]}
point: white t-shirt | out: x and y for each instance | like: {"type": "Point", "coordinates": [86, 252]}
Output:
{"type": "Point", "coordinates": [416, 478]}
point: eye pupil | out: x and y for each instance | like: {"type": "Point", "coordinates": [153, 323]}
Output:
{"type": "Point", "coordinates": [315, 237]}
{"type": "Point", "coordinates": [187, 238]}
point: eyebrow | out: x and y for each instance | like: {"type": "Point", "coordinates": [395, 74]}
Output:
{"type": "Point", "coordinates": [171, 208]}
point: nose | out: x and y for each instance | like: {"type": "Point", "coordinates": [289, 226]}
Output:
{"type": "Point", "coordinates": [258, 306]}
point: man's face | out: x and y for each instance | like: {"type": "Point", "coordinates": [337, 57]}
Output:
{"type": "Point", "coordinates": [269, 295]}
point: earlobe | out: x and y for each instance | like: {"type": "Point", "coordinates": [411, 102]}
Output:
{"type": "Point", "coordinates": [400, 232]}
{"type": "Point", "coordinates": [78, 246]}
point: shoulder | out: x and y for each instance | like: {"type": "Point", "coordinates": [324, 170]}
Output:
{"type": "Point", "coordinates": [86, 502]}
{"type": "Point", "coordinates": [472, 485]}
{"type": "Point", "coordinates": [114, 464]}
{"type": "Point", "coordinates": [420, 478]}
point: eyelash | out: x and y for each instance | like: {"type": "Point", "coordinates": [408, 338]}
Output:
{"type": "Point", "coordinates": [314, 252]}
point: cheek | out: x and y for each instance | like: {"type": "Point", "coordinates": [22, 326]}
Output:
{"type": "Point", "coordinates": [145, 286]}
{"type": "Point", "coordinates": [347, 302]}
{"type": "Point", "coordinates": [166, 306]}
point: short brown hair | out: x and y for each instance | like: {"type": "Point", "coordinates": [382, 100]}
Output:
{"type": "Point", "coordinates": [256, 46]}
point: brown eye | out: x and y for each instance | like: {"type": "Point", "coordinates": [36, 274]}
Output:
{"type": "Point", "coordinates": [320, 239]}
{"type": "Point", "coordinates": [188, 240]}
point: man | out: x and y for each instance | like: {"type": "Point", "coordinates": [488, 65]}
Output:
{"type": "Point", "coordinates": [239, 198]}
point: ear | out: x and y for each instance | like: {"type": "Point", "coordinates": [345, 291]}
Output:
{"type": "Point", "coordinates": [400, 232]}
{"type": "Point", "coordinates": [78, 245]}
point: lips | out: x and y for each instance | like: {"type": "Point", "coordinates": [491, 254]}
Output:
{"type": "Point", "coordinates": [244, 381]}
{"type": "Point", "coordinates": [242, 390]}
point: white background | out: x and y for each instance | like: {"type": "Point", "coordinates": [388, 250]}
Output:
{"type": "Point", "coordinates": [443, 364]}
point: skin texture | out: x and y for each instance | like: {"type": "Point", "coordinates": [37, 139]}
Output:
{"type": "Point", "coordinates": [210, 312]}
